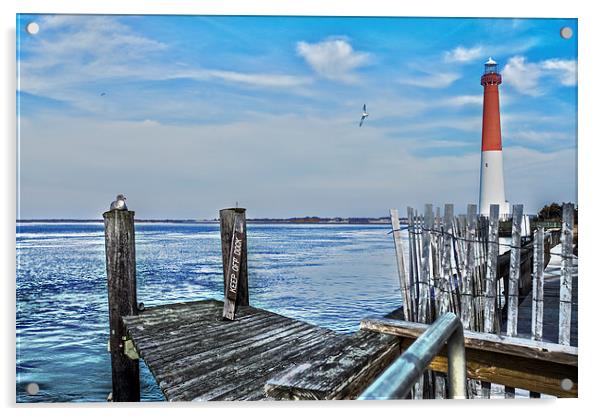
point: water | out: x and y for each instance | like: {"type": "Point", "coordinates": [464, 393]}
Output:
{"type": "Point", "coordinates": [329, 275]}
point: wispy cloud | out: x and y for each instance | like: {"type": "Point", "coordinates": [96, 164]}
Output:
{"type": "Point", "coordinates": [462, 54]}
{"type": "Point", "coordinates": [525, 77]}
{"type": "Point", "coordinates": [73, 54]}
{"type": "Point", "coordinates": [462, 100]}
{"type": "Point", "coordinates": [434, 80]}
{"type": "Point", "coordinates": [333, 59]}
{"type": "Point", "coordinates": [258, 79]}
{"type": "Point", "coordinates": [564, 69]}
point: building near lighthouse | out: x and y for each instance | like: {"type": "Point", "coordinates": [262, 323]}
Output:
{"type": "Point", "coordinates": [492, 167]}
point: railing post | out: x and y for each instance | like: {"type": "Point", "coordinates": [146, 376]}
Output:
{"type": "Point", "coordinates": [233, 228]}
{"type": "Point", "coordinates": [456, 363]}
{"type": "Point", "coordinates": [121, 276]}
{"type": "Point", "coordinates": [397, 380]}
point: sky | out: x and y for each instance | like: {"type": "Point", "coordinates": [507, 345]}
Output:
{"type": "Point", "coordinates": [186, 115]}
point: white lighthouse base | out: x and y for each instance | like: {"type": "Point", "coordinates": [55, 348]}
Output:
{"type": "Point", "coordinates": [492, 183]}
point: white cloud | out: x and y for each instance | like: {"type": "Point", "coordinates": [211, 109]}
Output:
{"type": "Point", "coordinates": [170, 171]}
{"type": "Point", "coordinates": [259, 80]}
{"type": "Point", "coordinates": [462, 54]}
{"type": "Point", "coordinates": [540, 136]}
{"type": "Point", "coordinates": [72, 54]}
{"type": "Point", "coordinates": [564, 69]}
{"type": "Point", "coordinates": [525, 77]}
{"type": "Point", "coordinates": [462, 100]}
{"type": "Point", "coordinates": [333, 59]}
{"type": "Point", "coordinates": [436, 80]}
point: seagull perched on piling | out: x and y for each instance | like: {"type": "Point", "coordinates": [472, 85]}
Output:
{"type": "Point", "coordinates": [364, 115]}
{"type": "Point", "coordinates": [119, 203]}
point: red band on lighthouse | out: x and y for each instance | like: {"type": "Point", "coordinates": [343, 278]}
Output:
{"type": "Point", "coordinates": [492, 135]}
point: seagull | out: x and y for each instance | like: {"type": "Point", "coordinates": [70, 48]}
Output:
{"type": "Point", "coordinates": [119, 203]}
{"type": "Point", "coordinates": [364, 115]}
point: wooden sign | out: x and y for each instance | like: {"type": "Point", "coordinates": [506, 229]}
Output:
{"type": "Point", "coordinates": [233, 270]}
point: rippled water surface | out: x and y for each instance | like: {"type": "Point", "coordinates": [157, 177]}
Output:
{"type": "Point", "coordinates": [329, 275]}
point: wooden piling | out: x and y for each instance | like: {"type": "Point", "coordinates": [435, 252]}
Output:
{"type": "Point", "coordinates": [566, 276]}
{"type": "Point", "coordinates": [229, 219]}
{"type": "Point", "coordinates": [121, 276]}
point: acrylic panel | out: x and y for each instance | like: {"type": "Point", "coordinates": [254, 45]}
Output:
{"type": "Point", "coordinates": [279, 207]}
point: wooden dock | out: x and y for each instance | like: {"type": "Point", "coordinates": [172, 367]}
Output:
{"type": "Point", "coordinates": [194, 354]}
{"type": "Point", "coordinates": [228, 350]}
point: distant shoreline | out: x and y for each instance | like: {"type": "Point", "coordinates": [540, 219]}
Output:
{"type": "Point", "coordinates": [304, 220]}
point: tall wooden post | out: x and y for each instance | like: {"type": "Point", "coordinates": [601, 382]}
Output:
{"type": "Point", "coordinates": [566, 275]}
{"type": "Point", "coordinates": [229, 219]}
{"type": "Point", "coordinates": [121, 274]}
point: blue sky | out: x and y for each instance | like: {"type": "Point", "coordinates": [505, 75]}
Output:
{"type": "Point", "coordinates": [199, 112]}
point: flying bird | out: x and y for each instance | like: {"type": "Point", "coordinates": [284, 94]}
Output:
{"type": "Point", "coordinates": [102, 94]}
{"type": "Point", "coordinates": [119, 203]}
{"type": "Point", "coordinates": [364, 115]}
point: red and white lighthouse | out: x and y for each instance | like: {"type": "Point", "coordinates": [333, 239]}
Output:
{"type": "Point", "coordinates": [492, 167]}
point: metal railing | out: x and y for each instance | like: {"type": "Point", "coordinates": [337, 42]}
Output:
{"type": "Point", "coordinates": [398, 379]}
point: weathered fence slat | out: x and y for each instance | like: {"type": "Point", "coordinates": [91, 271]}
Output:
{"type": "Point", "coordinates": [538, 283]}
{"type": "Point", "coordinates": [514, 276]}
{"type": "Point", "coordinates": [513, 279]}
{"type": "Point", "coordinates": [491, 276]}
{"type": "Point", "coordinates": [447, 301]}
{"type": "Point", "coordinates": [424, 315]}
{"type": "Point", "coordinates": [489, 298]}
{"type": "Point", "coordinates": [401, 268]}
{"type": "Point", "coordinates": [566, 276]}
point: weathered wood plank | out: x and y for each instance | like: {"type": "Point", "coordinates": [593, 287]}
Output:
{"type": "Point", "coordinates": [192, 384]}
{"type": "Point", "coordinates": [244, 379]}
{"type": "Point", "coordinates": [185, 347]}
{"type": "Point", "coordinates": [520, 347]}
{"type": "Point", "coordinates": [343, 372]}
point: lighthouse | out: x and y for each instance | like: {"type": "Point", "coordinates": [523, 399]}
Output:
{"type": "Point", "coordinates": [492, 169]}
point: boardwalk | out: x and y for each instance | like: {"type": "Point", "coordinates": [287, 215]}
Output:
{"type": "Point", "coordinates": [196, 355]}
{"type": "Point", "coordinates": [551, 303]}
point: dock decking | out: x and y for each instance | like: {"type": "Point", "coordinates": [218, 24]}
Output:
{"type": "Point", "coordinates": [196, 355]}
{"type": "Point", "coordinates": [551, 304]}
